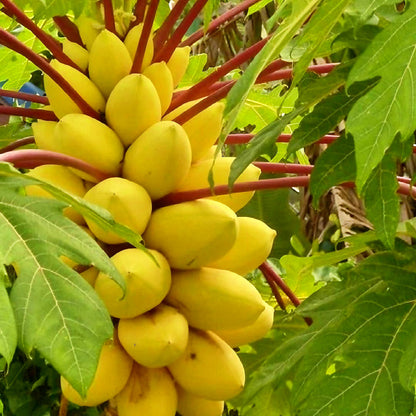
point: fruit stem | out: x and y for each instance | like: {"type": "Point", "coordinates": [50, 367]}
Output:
{"type": "Point", "coordinates": [139, 12]}
{"type": "Point", "coordinates": [69, 29]}
{"type": "Point", "coordinates": [34, 98]}
{"type": "Point", "coordinates": [284, 168]}
{"type": "Point", "coordinates": [201, 87]}
{"type": "Point", "coordinates": [218, 22]}
{"type": "Point", "coordinates": [31, 158]}
{"type": "Point", "coordinates": [110, 23]}
{"type": "Point", "coordinates": [14, 44]}
{"type": "Point", "coordinates": [50, 43]}
{"type": "Point", "coordinates": [274, 287]}
{"type": "Point", "coordinates": [166, 52]}
{"type": "Point", "coordinates": [17, 143]}
{"type": "Point", "coordinates": [274, 66]}
{"type": "Point", "coordinates": [240, 138]}
{"type": "Point", "coordinates": [163, 32]}
{"type": "Point", "coordinates": [63, 408]}
{"type": "Point", "coordinates": [28, 112]}
{"type": "Point", "coordinates": [144, 38]}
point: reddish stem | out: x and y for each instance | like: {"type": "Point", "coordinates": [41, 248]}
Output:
{"type": "Point", "coordinates": [50, 43]}
{"type": "Point", "coordinates": [14, 44]}
{"type": "Point", "coordinates": [283, 138]}
{"type": "Point", "coordinates": [200, 88]}
{"type": "Point", "coordinates": [17, 143]}
{"type": "Point", "coordinates": [63, 407]}
{"type": "Point", "coordinates": [144, 37]}
{"type": "Point", "coordinates": [163, 32]}
{"type": "Point", "coordinates": [274, 288]}
{"type": "Point", "coordinates": [34, 98]}
{"type": "Point", "coordinates": [69, 29]}
{"type": "Point", "coordinates": [166, 52]}
{"type": "Point", "coordinates": [31, 158]}
{"type": "Point", "coordinates": [202, 105]}
{"type": "Point", "coordinates": [218, 22]}
{"type": "Point", "coordinates": [28, 112]}
{"type": "Point", "coordinates": [139, 11]}
{"type": "Point", "coordinates": [284, 168]}
{"type": "Point", "coordinates": [110, 24]}
{"type": "Point", "coordinates": [274, 66]}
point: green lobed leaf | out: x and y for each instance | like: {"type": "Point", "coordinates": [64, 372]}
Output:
{"type": "Point", "coordinates": [8, 333]}
{"type": "Point", "coordinates": [12, 131]}
{"type": "Point", "coordinates": [57, 312]}
{"type": "Point", "coordinates": [386, 110]}
{"type": "Point", "coordinates": [382, 202]}
{"type": "Point", "coordinates": [334, 166]}
{"type": "Point", "coordinates": [365, 8]}
{"type": "Point", "coordinates": [51, 8]}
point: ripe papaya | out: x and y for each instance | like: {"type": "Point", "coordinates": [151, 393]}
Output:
{"type": "Point", "coordinates": [159, 159]}
{"type": "Point", "coordinates": [209, 368]}
{"type": "Point", "coordinates": [132, 40]}
{"type": "Point", "coordinates": [252, 246]}
{"type": "Point", "coordinates": [88, 139]}
{"type": "Point", "coordinates": [60, 102]}
{"type": "Point", "coordinates": [127, 202]}
{"type": "Point", "coordinates": [89, 29]}
{"type": "Point", "coordinates": [192, 234]}
{"type": "Point", "coordinates": [147, 283]}
{"type": "Point", "coordinates": [76, 52]}
{"type": "Point", "coordinates": [214, 299]}
{"type": "Point", "coordinates": [178, 63]}
{"type": "Point", "coordinates": [132, 107]}
{"type": "Point", "coordinates": [113, 371]}
{"type": "Point", "coordinates": [148, 392]}
{"type": "Point", "coordinates": [109, 61]}
{"type": "Point", "coordinates": [191, 405]}
{"type": "Point", "coordinates": [156, 338]}
{"type": "Point", "coordinates": [44, 134]}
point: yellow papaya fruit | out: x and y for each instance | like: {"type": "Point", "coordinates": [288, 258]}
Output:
{"type": "Point", "coordinates": [113, 371]}
{"type": "Point", "coordinates": [209, 368]}
{"type": "Point", "coordinates": [60, 102]}
{"type": "Point", "coordinates": [127, 202]}
{"type": "Point", "coordinates": [197, 178]}
{"type": "Point", "coordinates": [63, 178]}
{"type": "Point", "coordinates": [159, 159]}
{"type": "Point", "coordinates": [203, 129]}
{"type": "Point", "coordinates": [89, 29]}
{"type": "Point", "coordinates": [191, 405]}
{"type": "Point", "coordinates": [132, 107]}
{"type": "Point", "coordinates": [147, 283]}
{"type": "Point", "coordinates": [252, 246]}
{"type": "Point", "coordinates": [76, 52]}
{"type": "Point", "coordinates": [250, 333]}
{"type": "Point", "coordinates": [86, 138]}
{"type": "Point", "coordinates": [213, 299]}
{"type": "Point", "coordinates": [149, 392]}
{"type": "Point", "coordinates": [192, 234]}
{"type": "Point", "coordinates": [44, 134]}
{"type": "Point", "coordinates": [132, 40]}
{"type": "Point", "coordinates": [161, 77]}
{"type": "Point", "coordinates": [156, 338]}
{"type": "Point", "coordinates": [90, 275]}
{"type": "Point", "coordinates": [178, 63]}
{"type": "Point", "coordinates": [109, 61]}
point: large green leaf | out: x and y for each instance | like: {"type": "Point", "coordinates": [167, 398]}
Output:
{"type": "Point", "coordinates": [51, 8]}
{"type": "Point", "coordinates": [348, 361]}
{"type": "Point", "coordinates": [388, 109]}
{"type": "Point", "coordinates": [8, 333]}
{"type": "Point", "coordinates": [57, 312]}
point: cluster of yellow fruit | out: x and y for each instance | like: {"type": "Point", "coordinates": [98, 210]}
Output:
{"type": "Point", "coordinates": [187, 307]}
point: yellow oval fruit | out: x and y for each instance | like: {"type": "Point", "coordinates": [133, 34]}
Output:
{"type": "Point", "coordinates": [209, 368]}
{"type": "Point", "coordinates": [251, 248]}
{"type": "Point", "coordinates": [159, 159]}
{"type": "Point", "coordinates": [60, 102]}
{"type": "Point", "coordinates": [203, 129]}
{"type": "Point", "coordinates": [109, 61]}
{"type": "Point", "coordinates": [63, 178]}
{"type": "Point", "coordinates": [191, 405]}
{"type": "Point", "coordinates": [149, 392]}
{"type": "Point", "coordinates": [192, 234]}
{"type": "Point", "coordinates": [132, 107]}
{"type": "Point", "coordinates": [88, 139]}
{"type": "Point", "coordinates": [178, 63]}
{"type": "Point", "coordinates": [90, 275]}
{"type": "Point", "coordinates": [214, 299]}
{"type": "Point", "coordinates": [197, 178]}
{"type": "Point", "coordinates": [89, 29]}
{"type": "Point", "coordinates": [250, 333]}
{"type": "Point", "coordinates": [44, 134]}
{"type": "Point", "coordinates": [156, 338]}
{"type": "Point", "coordinates": [113, 371]}
{"type": "Point", "coordinates": [147, 283]}
{"type": "Point", "coordinates": [127, 202]}
{"type": "Point", "coordinates": [132, 40]}
{"type": "Point", "coordinates": [76, 52]}
{"type": "Point", "coordinates": [161, 77]}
